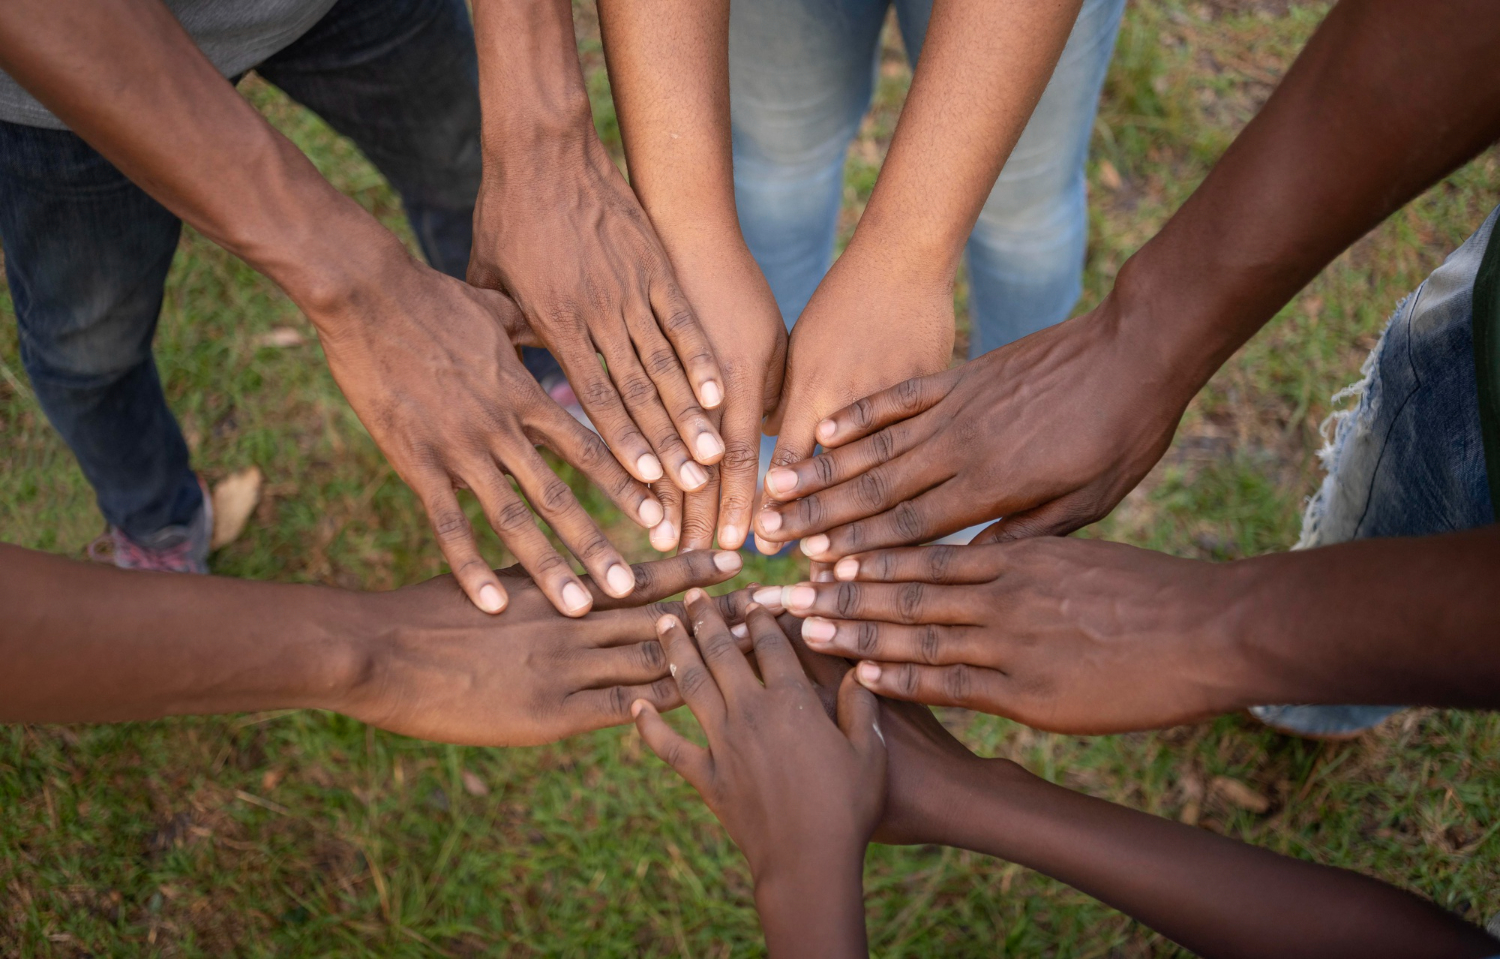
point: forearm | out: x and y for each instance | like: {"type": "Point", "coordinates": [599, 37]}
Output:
{"type": "Point", "coordinates": [669, 73]}
{"type": "Point", "coordinates": [126, 77]}
{"type": "Point", "coordinates": [1387, 98]}
{"type": "Point", "coordinates": [815, 911]}
{"type": "Point", "coordinates": [89, 643]}
{"type": "Point", "coordinates": [1216, 896]}
{"type": "Point", "coordinates": [1397, 620]}
{"type": "Point", "coordinates": [983, 68]}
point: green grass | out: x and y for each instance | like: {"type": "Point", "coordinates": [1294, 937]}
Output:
{"type": "Point", "coordinates": [309, 834]}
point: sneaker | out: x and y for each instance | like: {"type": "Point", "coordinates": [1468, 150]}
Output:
{"type": "Point", "coordinates": [176, 549]}
{"type": "Point", "coordinates": [1328, 723]}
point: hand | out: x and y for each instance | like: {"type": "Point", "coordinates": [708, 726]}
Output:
{"type": "Point", "coordinates": [1049, 432]}
{"type": "Point", "coordinates": [866, 329]}
{"type": "Point", "coordinates": [799, 795]}
{"type": "Point", "coordinates": [738, 312]}
{"type": "Point", "coordinates": [428, 365]}
{"type": "Point", "coordinates": [570, 243]}
{"type": "Point", "coordinates": [437, 669]}
{"type": "Point", "coordinates": [1068, 635]}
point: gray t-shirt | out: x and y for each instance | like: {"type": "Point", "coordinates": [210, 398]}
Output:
{"type": "Point", "coordinates": [235, 35]}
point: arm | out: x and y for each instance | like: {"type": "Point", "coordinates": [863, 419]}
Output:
{"type": "Point", "coordinates": [798, 794]}
{"type": "Point", "coordinates": [557, 228]}
{"type": "Point", "coordinates": [884, 313]}
{"type": "Point", "coordinates": [426, 361]}
{"type": "Point", "coordinates": [1086, 636]}
{"type": "Point", "coordinates": [88, 643]}
{"type": "Point", "coordinates": [1387, 98]}
{"type": "Point", "coordinates": [669, 72]}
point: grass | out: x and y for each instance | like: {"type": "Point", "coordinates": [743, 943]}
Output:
{"type": "Point", "coordinates": [309, 834]}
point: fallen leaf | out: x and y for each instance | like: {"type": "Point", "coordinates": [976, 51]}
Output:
{"type": "Point", "coordinates": [235, 497]}
{"type": "Point", "coordinates": [271, 779]}
{"type": "Point", "coordinates": [1236, 793]}
{"type": "Point", "coordinates": [473, 785]}
{"type": "Point", "coordinates": [281, 338]}
{"type": "Point", "coordinates": [1109, 177]}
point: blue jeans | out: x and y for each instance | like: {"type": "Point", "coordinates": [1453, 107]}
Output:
{"type": "Point", "coordinates": [87, 251]}
{"type": "Point", "coordinates": [1408, 459]}
{"type": "Point", "coordinates": [802, 73]}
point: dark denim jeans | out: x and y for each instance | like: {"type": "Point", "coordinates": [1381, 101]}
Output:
{"type": "Point", "coordinates": [87, 251]}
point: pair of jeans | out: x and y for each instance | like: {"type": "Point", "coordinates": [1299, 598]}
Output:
{"type": "Point", "coordinates": [1408, 459]}
{"type": "Point", "coordinates": [802, 73]}
{"type": "Point", "coordinates": [87, 251]}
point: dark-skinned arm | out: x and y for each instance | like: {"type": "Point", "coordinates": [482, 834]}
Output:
{"type": "Point", "coordinates": [427, 362]}
{"type": "Point", "coordinates": [669, 73]}
{"type": "Point", "coordinates": [1387, 98]}
{"type": "Point", "coordinates": [89, 643]}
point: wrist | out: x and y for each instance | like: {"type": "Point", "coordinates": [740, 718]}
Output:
{"type": "Point", "coordinates": [908, 259]}
{"type": "Point", "coordinates": [348, 634]}
{"type": "Point", "coordinates": [813, 906]}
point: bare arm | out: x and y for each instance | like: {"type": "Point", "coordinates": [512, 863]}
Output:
{"type": "Point", "coordinates": [427, 362]}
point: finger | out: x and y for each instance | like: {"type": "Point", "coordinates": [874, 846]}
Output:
{"type": "Point", "coordinates": [1056, 518]}
{"type": "Point", "coordinates": [879, 410]}
{"type": "Point", "coordinates": [737, 470]}
{"type": "Point", "coordinates": [859, 717]}
{"type": "Point", "coordinates": [668, 533]}
{"type": "Point", "coordinates": [589, 709]}
{"type": "Point", "coordinates": [820, 572]}
{"type": "Point", "coordinates": [694, 681]}
{"type": "Point", "coordinates": [909, 603]}
{"type": "Point", "coordinates": [773, 652]}
{"type": "Point", "coordinates": [969, 687]}
{"type": "Point", "coordinates": [456, 540]}
{"type": "Point", "coordinates": [935, 513]}
{"type": "Point", "coordinates": [661, 578]}
{"type": "Point", "coordinates": [720, 651]}
{"type": "Point", "coordinates": [951, 565]}
{"type": "Point", "coordinates": [606, 410]}
{"type": "Point", "coordinates": [928, 644]}
{"type": "Point", "coordinates": [645, 407]}
{"type": "Point", "coordinates": [793, 445]}
{"type": "Point", "coordinates": [699, 511]}
{"type": "Point", "coordinates": [622, 627]}
{"type": "Point", "coordinates": [688, 760]}
{"type": "Point", "coordinates": [552, 426]}
{"type": "Point", "coordinates": [680, 324]}
{"type": "Point", "coordinates": [678, 398]}
{"type": "Point", "coordinates": [555, 501]}
{"type": "Point", "coordinates": [512, 521]}
{"type": "Point", "coordinates": [622, 665]}
{"type": "Point", "coordinates": [870, 494]}
{"type": "Point", "coordinates": [832, 468]}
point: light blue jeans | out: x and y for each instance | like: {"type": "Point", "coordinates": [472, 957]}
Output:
{"type": "Point", "coordinates": [1408, 458]}
{"type": "Point", "coordinates": [802, 73]}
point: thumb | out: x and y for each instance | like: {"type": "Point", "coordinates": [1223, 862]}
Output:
{"type": "Point", "coordinates": [689, 760]}
{"type": "Point", "coordinates": [1056, 518]}
{"type": "Point", "coordinates": [859, 717]}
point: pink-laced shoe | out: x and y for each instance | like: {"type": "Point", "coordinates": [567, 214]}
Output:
{"type": "Point", "coordinates": [176, 549]}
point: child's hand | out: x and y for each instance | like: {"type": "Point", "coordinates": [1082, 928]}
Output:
{"type": "Point", "coordinates": [799, 795]}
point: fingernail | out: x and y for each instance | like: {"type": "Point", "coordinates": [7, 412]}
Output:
{"type": "Point", "coordinates": [823, 576]}
{"type": "Point", "coordinates": [636, 707]}
{"type": "Point", "coordinates": [693, 476]}
{"type": "Point", "coordinates": [766, 547]}
{"type": "Point", "coordinates": [574, 597]}
{"type": "Point", "coordinates": [712, 395]}
{"type": "Point", "coordinates": [781, 481]}
{"type": "Point", "coordinates": [868, 672]}
{"type": "Point", "coordinates": [664, 536]}
{"type": "Point", "coordinates": [826, 429]}
{"type": "Point", "coordinates": [695, 595]}
{"type": "Point", "coordinates": [666, 623]}
{"type": "Point", "coordinates": [815, 545]}
{"type": "Point", "coordinates": [770, 521]}
{"type": "Point", "coordinates": [708, 446]}
{"type": "Point", "coordinates": [846, 569]}
{"type": "Point", "coordinates": [490, 599]}
{"type": "Point", "coordinates": [621, 580]}
{"type": "Point", "coordinates": [651, 513]}
{"type": "Point", "coordinates": [649, 467]}
{"type": "Point", "coordinates": [769, 597]}
{"type": "Point", "coordinates": [728, 561]}
{"type": "Point", "coordinates": [740, 630]}
{"type": "Point", "coordinates": [816, 630]}
{"type": "Point", "coordinates": [798, 597]}
{"type": "Point", "coordinates": [730, 537]}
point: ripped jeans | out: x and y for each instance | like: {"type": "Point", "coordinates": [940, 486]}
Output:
{"type": "Point", "coordinates": [1408, 459]}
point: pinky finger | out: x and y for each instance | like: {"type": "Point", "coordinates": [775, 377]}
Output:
{"type": "Point", "coordinates": [456, 540]}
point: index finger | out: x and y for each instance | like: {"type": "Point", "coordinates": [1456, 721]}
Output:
{"type": "Point", "coordinates": [677, 320]}
{"type": "Point", "coordinates": [694, 681]}
{"type": "Point", "coordinates": [720, 652]}
{"type": "Point", "coordinates": [878, 410]}
{"type": "Point", "coordinates": [773, 652]}
{"type": "Point", "coordinates": [666, 577]}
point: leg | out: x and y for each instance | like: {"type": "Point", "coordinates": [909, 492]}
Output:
{"type": "Point", "coordinates": [801, 73]}
{"type": "Point", "coordinates": [86, 254]}
{"type": "Point", "coordinates": [1408, 460]}
{"type": "Point", "coordinates": [1025, 256]}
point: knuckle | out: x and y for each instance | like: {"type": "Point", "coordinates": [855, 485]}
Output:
{"type": "Point", "coordinates": [661, 362]}
{"type": "Point", "coordinates": [883, 444]}
{"type": "Point", "coordinates": [592, 454]}
{"type": "Point", "coordinates": [908, 395]}
{"type": "Point", "coordinates": [679, 319]}
{"type": "Point", "coordinates": [513, 517]}
{"type": "Point", "coordinates": [862, 412]}
{"type": "Point", "coordinates": [907, 682]}
{"type": "Point", "coordinates": [909, 602]}
{"type": "Point", "coordinates": [846, 600]}
{"type": "Point", "coordinates": [939, 562]}
{"type": "Point", "coordinates": [739, 456]}
{"type": "Point", "coordinates": [637, 390]}
{"type": "Point", "coordinates": [871, 489]}
{"type": "Point", "coordinates": [691, 680]}
{"type": "Point", "coordinates": [555, 496]}
{"type": "Point", "coordinates": [653, 657]}
{"type": "Point", "coordinates": [597, 391]}
{"type": "Point", "coordinates": [867, 639]}
{"type": "Point", "coordinates": [907, 520]}
{"type": "Point", "coordinates": [824, 468]}
{"type": "Point", "coordinates": [929, 644]}
{"type": "Point", "coordinates": [619, 701]}
{"type": "Point", "coordinates": [450, 525]}
{"type": "Point", "coordinates": [958, 684]}
{"type": "Point", "coordinates": [663, 689]}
